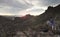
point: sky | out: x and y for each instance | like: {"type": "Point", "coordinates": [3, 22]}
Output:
{"type": "Point", "coordinates": [23, 7]}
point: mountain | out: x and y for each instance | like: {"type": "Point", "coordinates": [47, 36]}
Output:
{"type": "Point", "coordinates": [9, 25]}
{"type": "Point", "coordinates": [36, 22]}
{"type": "Point", "coordinates": [39, 22]}
{"type": "Point", "coordinates": [50, 13]}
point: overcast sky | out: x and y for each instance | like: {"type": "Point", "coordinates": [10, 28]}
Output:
{"type": "Point", "coordinates": [23, 7]}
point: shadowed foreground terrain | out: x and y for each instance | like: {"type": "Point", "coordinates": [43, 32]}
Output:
{"type": "Point", "coordinates": [31, 26]}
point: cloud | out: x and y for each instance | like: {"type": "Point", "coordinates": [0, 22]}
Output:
{"type": "Point", "coordinates": [35, 11]}
{"type": "Point", "coordinates": [48, 2]}
{"type": "Point", "coordinates": [24, 7]}
{"type": "Point", "coordinates": [13, 6]}
{"type": "Point", "coordinates": [39, 6]}
{"type": "Point", "coordinates": [14, 3]}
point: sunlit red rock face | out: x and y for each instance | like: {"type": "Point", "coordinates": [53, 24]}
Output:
{"type": "Point", "coordinates": [26, 17]}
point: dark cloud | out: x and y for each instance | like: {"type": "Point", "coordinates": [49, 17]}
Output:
{"type": "Point", "coordinates": [49, 2]}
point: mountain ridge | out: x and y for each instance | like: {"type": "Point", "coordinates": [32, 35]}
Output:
{"type": "Point", "coordinates": [37, 23]}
